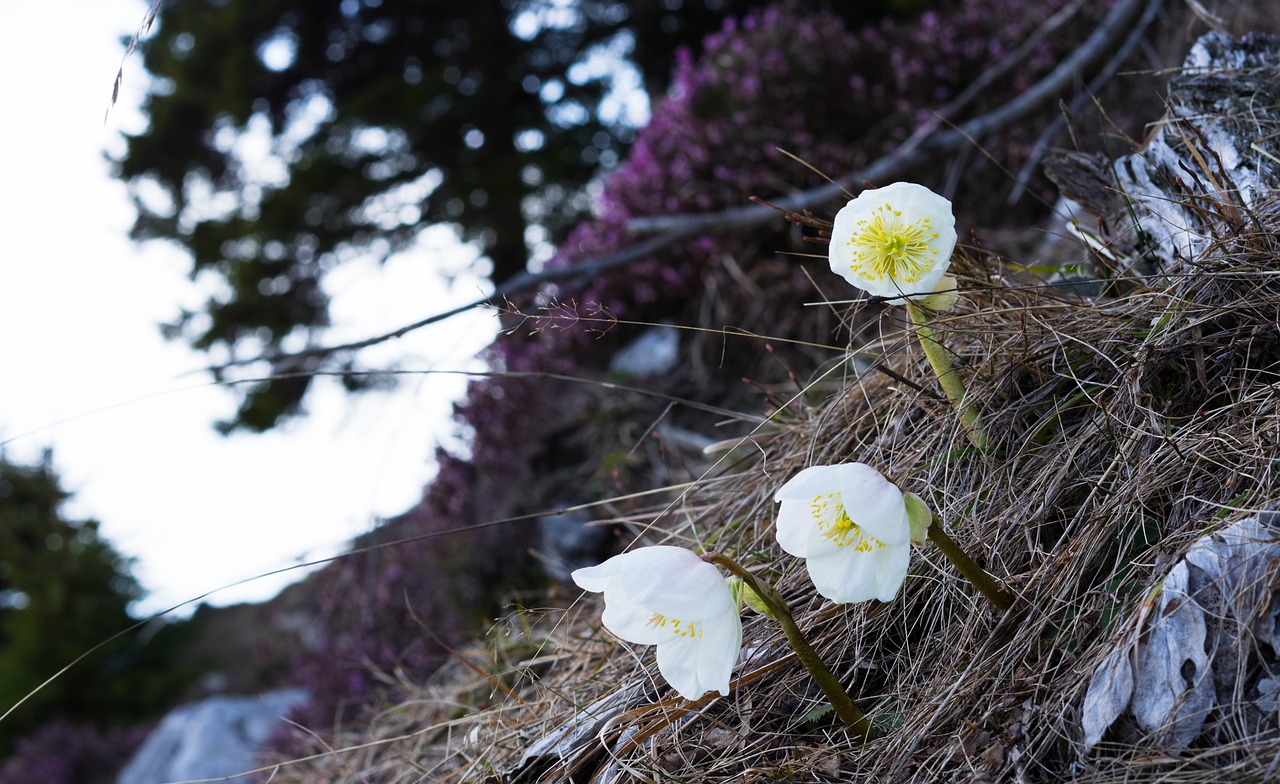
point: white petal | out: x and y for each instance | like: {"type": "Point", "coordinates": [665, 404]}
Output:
{"type": "Point", "coordinates": [891, 571]}
{"type": "Point", "coordinates": [798, 517]}
{"type": "Point", "coordinates": [631, 621]}
{"type": "Point", "coordinates": [850, 575]}
{"type": "Point", "coordinates": [695, 666]}
{"type": "Point", "coordinates": [843, 577]}
{"type": "Point", "coordinates": [720, 649]}
{"type": "Point", "coordinates": [912, 203]}
{"type": "Point", "coordinates": [813, 481]}
{"type": "Point", "coordinates": [623, 615]}
{"type": "Point", "coordinates": [678, 663]}
{"type": "Point", "coordinates": [662, 578]}
{"type": "Point", "coordinates": [874, 503]}
{"type": "Point", "coordinates": [911, 197]}
{"type": "Point", "coordinates": [795, 525]}
{"type": "Point", "coordinates": [664, 596]}
{"type": "Point", "coordinates": [597, 578]}
{"type": "Point", "coordinates": [675, 582]}
{"type": "Point", "coordinates": [669, 597]}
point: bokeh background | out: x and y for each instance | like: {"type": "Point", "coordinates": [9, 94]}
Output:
{"type": "Point", "coordinates": [190, 261]}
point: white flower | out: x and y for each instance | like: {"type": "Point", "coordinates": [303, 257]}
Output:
{"type": "Point", "coordinates": [894, 240]}
{"type": "Point", "coordinates": [850, 525]}
{"type": "Point", "coordinates": [669, 597]}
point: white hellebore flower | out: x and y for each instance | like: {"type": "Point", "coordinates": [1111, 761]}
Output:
{"type": "Point", "coordinates": [894, 240]}
{"type": "Point", "coordinates": [850, 525]}
{"type": "Point", "coordinates": [671, 598]}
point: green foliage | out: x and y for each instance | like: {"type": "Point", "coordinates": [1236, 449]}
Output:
{"type": "Point", "coordinates": [378, 119]}
{"type": "Point", "coordinates": [64, 589]}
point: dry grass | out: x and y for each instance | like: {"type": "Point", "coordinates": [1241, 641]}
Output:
{"type": "Point", "coordinates": [1122, 429]}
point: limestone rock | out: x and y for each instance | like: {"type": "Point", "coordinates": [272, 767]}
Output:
{"type": "Point", "coordinates": [1158, 208]}
{"type": "Point", "coordinates": [568, 541]}
{"type": "Point", "coordinates": [1200, 647]}
{"type": "Point", "coordinates": [655, 352]}
{"type": "Point", "coordinates": [219, 736]}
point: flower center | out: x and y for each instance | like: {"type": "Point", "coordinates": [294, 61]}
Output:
{"type": "Point", "coordinates": [679, 628]}
{"type": "Point", "coordinates": [886, 246]}
{"type": "Point", "coordinates": [837, 527]}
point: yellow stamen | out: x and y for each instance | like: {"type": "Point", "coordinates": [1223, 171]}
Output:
{"type": "Point", "coordinates": [836, 525]}
{"type": "Point", "coordinates": [679, 628]}
{"type": "Point", "coordinates": [885, 246]}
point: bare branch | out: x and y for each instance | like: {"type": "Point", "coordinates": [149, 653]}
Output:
{"type": "Point", "coordinates": [669, 230]}
{"type": "Point", "coordinates": [996, 72]}
{"type": "Point", "coordinates": [513, 285]}
{"type": "Point", "coordinates": [1095, 85]}
{"type": "Point", "coordinates": [1103, 39]}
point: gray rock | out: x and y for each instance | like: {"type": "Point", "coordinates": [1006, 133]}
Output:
{"type": "Point", "coordinates": [1204, 641]}
{"type": "Point", "coordinates": [656, 352]}
{"type": "Point", "coordinates": [216, 737]}
{"type": "Point", "coordinates": [1223, 115]}
{"type": "Point", "coordinates": [578, 736]}
{"type": "Point", "coordinates": [568, 541]}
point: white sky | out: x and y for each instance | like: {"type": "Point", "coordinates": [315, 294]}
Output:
{"type": "Point", "coordinates": [84, 370]}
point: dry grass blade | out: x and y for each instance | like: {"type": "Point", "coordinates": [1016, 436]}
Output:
{"type": "Point", "coordinates": [148, 19]}
{"type": "Point", "coordinates": [1121, 430]}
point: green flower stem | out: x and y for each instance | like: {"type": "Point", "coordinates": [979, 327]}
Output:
{"type": "Point", "coordinates": [991, 587]}
{"type": "Point", "coordinates": [853, 718]}
{"type": "Point", "coordinates": [951, 383]}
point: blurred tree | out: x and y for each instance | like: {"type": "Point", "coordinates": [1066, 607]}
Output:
{"type": "Point", "coordinates": [286, 136]}
{"type": "Point", "coordinates": [64, 589]}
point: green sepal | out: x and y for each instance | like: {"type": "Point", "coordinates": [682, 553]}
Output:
{"type": "Point", "coordinates": [920, 516]}
{"type": "Point", "coordinates": [944, 297]}
{"type": "Point", "coordinates": [736, 589]}
{"type": "Point", "coordinates": [755, 601]}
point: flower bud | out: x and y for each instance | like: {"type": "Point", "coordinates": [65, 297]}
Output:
{"type": "Point", "coordinates": [744, 594]}
{"type": "Point", "coordinates": [944, 297]}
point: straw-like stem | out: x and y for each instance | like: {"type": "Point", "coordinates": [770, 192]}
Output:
{"type": "Point", "coordinates": [951, 383]}
{"type": "Point", "coordinates": [993, 588]}
{"type": "Point", "coordinates": [854, 719]}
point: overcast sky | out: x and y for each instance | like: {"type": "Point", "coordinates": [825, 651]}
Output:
{"type": "Point", "coordinates": [129, 418]}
